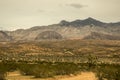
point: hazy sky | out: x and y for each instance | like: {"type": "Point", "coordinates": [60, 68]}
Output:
{"type": "Point", "coordinates": [16, 14]}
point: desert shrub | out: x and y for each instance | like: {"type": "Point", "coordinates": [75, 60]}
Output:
{"type": "Point", "coordinates": [48, 69]}
{"type": "Point", "coordinates": [10, 65]}
{"type": "Point", "coordinates": [66, 68]}
{"type": "Point", "coordinates": [108, 71]}
{"type": "Point", "coordinates": [91, 60]}
{"type": "Point", "coordinates": [2, 76]}
{"type": "Point", "coordinates": [3, 70]}
{"type": "Point", "coordinates": [26, 69]}
{"type": "Point", "coordinates": [43, 71]}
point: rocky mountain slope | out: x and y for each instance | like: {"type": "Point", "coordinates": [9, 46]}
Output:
{"type": "Point", "coordinates": [100, 36]}
{"type": "Point", "coordinates": [79, 29]}
{"type": "Point", "coordinates": [4, 36]}
{"type": "Point", "coordinates": [48, 35]}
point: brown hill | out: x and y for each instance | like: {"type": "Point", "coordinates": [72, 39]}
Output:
{"type": "Point", "coordinates": [48, 35]}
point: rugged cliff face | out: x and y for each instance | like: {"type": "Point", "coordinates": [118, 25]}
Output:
{"type": "Point", "coordinates": [79, 29]}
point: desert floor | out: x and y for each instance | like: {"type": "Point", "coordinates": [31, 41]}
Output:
{"type": "Point", "coordinates": [83, 76]}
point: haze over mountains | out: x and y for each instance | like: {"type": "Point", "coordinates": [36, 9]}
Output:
{"type": "Point", "coordinates": [79, 29]}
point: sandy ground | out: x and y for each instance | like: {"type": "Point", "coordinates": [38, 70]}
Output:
{"type": "Point", "coordinates": [83, 76]}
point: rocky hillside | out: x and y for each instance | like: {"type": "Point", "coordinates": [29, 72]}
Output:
{"type": "Point", "coordinates": [100, 36]}
{"type": "Point", "coordinates": [79, 29]}
{"type": "Point", "coordinates": [46, 35]}
{"type": "Point", "coordinates": [4, 36]}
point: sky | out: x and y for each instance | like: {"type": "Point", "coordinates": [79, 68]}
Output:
{"type": "Point", "coordinates": [22, 14]}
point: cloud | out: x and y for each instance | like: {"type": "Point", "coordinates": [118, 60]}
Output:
{"type": "Point", "coordinates": [75, 5]}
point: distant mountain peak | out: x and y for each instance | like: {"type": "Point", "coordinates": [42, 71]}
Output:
{"type": "Point", "coordinates": [64, 23]}
{"type": "Point", "coordinates": [84, 22]}
{"type": "Point", "coordinates": [91, 19]}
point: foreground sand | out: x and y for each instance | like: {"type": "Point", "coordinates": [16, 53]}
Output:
{"type": "Point", "coordinates": [83, 76]}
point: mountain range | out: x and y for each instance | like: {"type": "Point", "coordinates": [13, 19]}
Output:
{"type": "Point", "coordinates": [79, 29]}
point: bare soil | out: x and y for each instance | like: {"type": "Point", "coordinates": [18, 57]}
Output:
{"type": "Point", "coordinates": [83, 76]}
